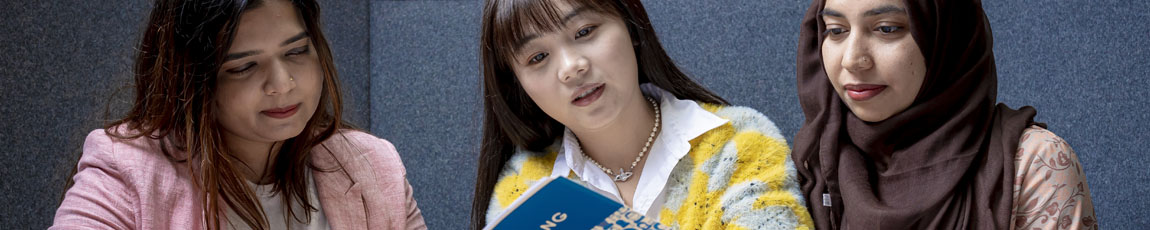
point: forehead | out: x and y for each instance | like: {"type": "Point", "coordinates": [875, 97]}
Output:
{"type": "Point", "coordinates": [513, 21]}
{"type": "Point", "coordinates": [525, 17]}
{"type": "Point", "coordinates": [267, 25]}
{"type": "Point", "coordinates": [852, 8]}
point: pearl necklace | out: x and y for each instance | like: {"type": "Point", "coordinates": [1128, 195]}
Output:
{"type": "Point", "coordinates": [626, 174]}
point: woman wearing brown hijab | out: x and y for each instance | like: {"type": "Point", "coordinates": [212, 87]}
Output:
{"type": "Point", "coordinates": [903, 131]}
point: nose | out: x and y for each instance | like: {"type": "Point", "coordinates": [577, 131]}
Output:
{"type": "Point", "coordinates": [857, 57]}
{"type": "Point", "coordinates": [279, 80]}
{"type": "Point", "coordinates": [573, 65]}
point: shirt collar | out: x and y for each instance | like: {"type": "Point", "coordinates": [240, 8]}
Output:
{"type": "Point", "coordinates": [682, 121]}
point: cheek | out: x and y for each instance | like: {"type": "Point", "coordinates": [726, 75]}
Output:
{"type": "Point", "coordinates": [538, 92]}
{"type": "Point", "coordinates": [315, 86]}
{"type": "Point", "coordinates": [832, 65]}
{"type": "Point", "coordinates": [536, 83]}
{"type": "Point", "coordinates": [229, 107]}
{"type": "Point", "coordinates": [614, 53]}
{"type": "Point", "coordinates": [233, 98]}
{"type": "Point", "coordinates": [309, 76]}
{"type": "Point", "coordinates": [911, 66]}
{"type": "Point", "coordinates": [546, 94]}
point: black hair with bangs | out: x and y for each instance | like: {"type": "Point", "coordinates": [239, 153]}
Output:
{"type": "Point", "coordinates": [511, 120]}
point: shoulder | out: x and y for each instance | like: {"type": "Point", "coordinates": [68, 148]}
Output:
{"type": "Point", "coordinates": [349, 143]}
{"type": "Point", "coordinates": [748, 160]}
{"type": "Point", "coordinates": [745, 119]}
{"type": "Point", "coordinates": [117, 179]}
{"type": "Point", "coordinates": [1038, 145]}
{"type": "Point", "coordinates": [748, 149]}
{"type": "Point", "coordinates": [103, 149]}
{"type": "Point", "coordinates": [521, 171]}
{"type": "Point", "coordinates": [1050, 184]}
{"type": "Point", "coordinates": [747, 132]}
{"type": "Point", "coordinates": [351, 146]}
{"type": "Point", "coordinates": [526, 167]}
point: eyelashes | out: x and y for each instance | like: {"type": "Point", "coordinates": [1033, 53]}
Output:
{"type": "Point", "coordinates": [582, 33]}
{"type": "Point", "coordinates": [249, 66]}
{"type": "Point", "coordinates": [888, 29]}
{"type": "Point", "coordinates": [885, 30]}
{"type": "Point", "coordinates": [242, 69]}
{"type": "Point", "coordinates": [834, 31]}
{"type": "Point", "coordinates": [299, 51]}
{"type": "Point", "coordinates": [585, 31]}
{"type": "Point", "coordinates": [537, 58]}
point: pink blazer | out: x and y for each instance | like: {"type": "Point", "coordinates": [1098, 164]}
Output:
{"type": "Point", "coordinates": [132, 185]}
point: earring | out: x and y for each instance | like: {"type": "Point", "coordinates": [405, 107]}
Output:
{"type": "Point", "coordinates": [291, 78]}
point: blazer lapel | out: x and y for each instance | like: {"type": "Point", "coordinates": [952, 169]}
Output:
{"type": "Point", "coordinates": [340, 195]}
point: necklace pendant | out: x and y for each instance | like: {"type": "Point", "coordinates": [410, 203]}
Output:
{"type": "Point", "coordinates": [622, 176]}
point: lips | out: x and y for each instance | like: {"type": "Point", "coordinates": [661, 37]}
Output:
{"type": "Point", "coordinates": [587, 94]}
{"type": "Point", "coordinates": [863, 92]}
{"type": "Point", "coordinates": [282, 112]}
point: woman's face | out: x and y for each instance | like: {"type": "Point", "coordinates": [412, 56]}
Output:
{"type": "Point", "coordinates": [870, 56]}
{"type": "Point", "coordinates": [583, 73]}
{"type": "Point", "coordinates": [270, 84]}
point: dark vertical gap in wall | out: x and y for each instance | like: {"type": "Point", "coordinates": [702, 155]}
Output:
{"type": "Point", "coordinates": [368, 118]}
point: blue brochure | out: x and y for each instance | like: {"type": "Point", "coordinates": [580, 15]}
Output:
{"type": "Point", "coordinates": [558, 203]}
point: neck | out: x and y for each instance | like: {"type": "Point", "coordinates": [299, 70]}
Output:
{"type": "Point", "coordinates": [617, 144]}
{"type": "Point", "coordinates": [256, 157]}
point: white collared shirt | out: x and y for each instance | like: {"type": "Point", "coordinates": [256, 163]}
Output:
{"type": "Point", "coordinates": [682, 121]}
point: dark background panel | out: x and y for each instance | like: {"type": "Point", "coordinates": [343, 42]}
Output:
{"type": "Point", "coordinates": [425, 99]}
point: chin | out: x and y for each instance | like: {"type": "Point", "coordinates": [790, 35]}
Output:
{"type": "Point", "coordinates": [286, 132]}
{"type": "Point", "coordinates": [869, 116]}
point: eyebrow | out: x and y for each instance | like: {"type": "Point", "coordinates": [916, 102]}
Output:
{"type": "Point", "coordinates": [295, 38]}
{"type": "Point", "coordinates": [519, 43]}
{"type": "Point", "coordinates": [831, 13]}
{"type": "Point", "coordinates": [234, 56]}
{"type": "Point", "coordinates": [292, 39]}
{"type": "Point", "coordinates": [884, 10]}
{"type": "Point", "coordinates": [872, 12]}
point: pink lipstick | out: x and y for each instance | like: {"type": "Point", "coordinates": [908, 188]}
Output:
{"type": "Point", "coordinates": [587, 94]}
{"type": "Point", "coordinates": [281, 113]}
{"type": "Point", "coordinates": [863, 92]}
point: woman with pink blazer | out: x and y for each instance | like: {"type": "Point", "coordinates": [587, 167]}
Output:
{"type": "Point", "coordinates": [236, 124]}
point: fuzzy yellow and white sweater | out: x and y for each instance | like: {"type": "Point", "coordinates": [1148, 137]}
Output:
{"type": "Point", "coordinates": [736, 176]}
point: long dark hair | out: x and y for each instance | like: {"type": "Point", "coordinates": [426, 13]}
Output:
{"type": "Point", "coordinates": [177, 61]}
{"type": "Point", "coordinates": [512, 120]}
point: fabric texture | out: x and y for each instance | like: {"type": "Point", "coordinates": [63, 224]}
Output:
{"type": "Point", "coordinates": [736, 176]}
{"type": "Point", "coordinates": [1050, 190]}
{"type": "Point", "coordinates": [945, 162]}
{"type": "Point", "coordinates": [130, 184]}
{"type": "Point", "coordinates": [275, 209]}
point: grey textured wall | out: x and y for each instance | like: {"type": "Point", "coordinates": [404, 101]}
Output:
{"type": "Point", "coordinates": [60, 64]}
{"type": "Point", "coordinates": [425, 65]}
{"type": "Point", "coordinates": [410, 72]}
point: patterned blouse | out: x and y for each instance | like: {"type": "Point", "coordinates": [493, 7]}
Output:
{"type": "Point", "coordinates": [1050, 190]}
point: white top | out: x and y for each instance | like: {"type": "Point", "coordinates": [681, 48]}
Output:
{"type": "Point", "coordinates": [273, 206]}
{"type": "Point", "coordinates": [682, 121]}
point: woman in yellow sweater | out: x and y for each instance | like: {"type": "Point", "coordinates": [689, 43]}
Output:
{"type": "Point", "coordinates": [583, 89]}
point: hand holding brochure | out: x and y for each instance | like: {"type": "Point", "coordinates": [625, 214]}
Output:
{"type": "Point", "coordinates": [558, 203]}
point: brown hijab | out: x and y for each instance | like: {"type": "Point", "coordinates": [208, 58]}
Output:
{"type": "Point", "coordinates": [946, 162]}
